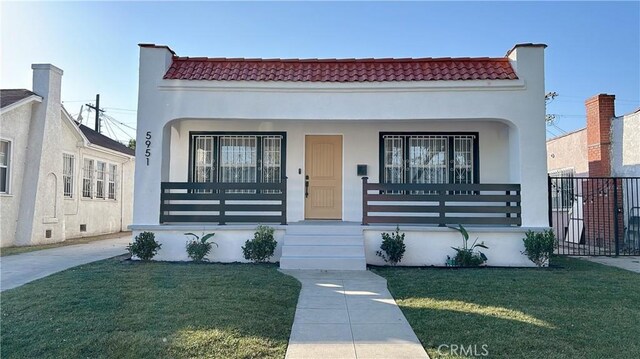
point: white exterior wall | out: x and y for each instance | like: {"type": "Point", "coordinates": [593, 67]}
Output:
{"type": "Point", "coordinates": [625, 145]}
{"type": "Point", "coordinates": [228, 248]}
{"type": "Point", "coordinates": [517, 103]}
{"type": "Point", "coordinates": [14, 127]}
{"type": "Point", "coordinates": [569, 152]}
{"type": "Point", "coordinates": [360, 146]}
{"type": "Point", "coordinates": [425, 246]}
{"type": "Point", "coordinates": [430, 247]}
{"type": "Point", "coordinates": [40, 134]}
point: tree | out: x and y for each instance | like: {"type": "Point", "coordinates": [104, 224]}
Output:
{"type": "Point", "coordinates": [132, 144]}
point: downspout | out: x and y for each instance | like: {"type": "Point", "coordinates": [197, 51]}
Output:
{"type": "Point", "coordinates": [122, 193]}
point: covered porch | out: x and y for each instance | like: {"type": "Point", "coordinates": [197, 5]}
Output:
{"type": "Point", "coordinates": [426, 172]}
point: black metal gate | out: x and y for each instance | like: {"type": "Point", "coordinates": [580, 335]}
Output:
{"type": "Point", "coordinates": [595, 216]}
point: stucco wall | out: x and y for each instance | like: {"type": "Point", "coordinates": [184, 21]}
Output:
{"type": "Point", "coordinates": [424, 246]}
{"type": "Point", "coordinates": [61, 215]}
{"type": "Point", "coordinates": [518, 103]}
{"type": "Point", "coordinates": [14, 126]}
{"type": "Point", "coordinates": [625, 145]}
{"type": "Point", "coordinates": [569, 151]}
{"type": "Point", "coordinates": [100, 215]}
{"type": "Point", "coordinates": [360, 146]}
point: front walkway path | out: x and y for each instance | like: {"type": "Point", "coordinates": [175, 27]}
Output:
{"type": "Point", "coordinates": [18, 269]}
{"type": "Point", "coordinates": [630, 263]}
{"type": "Point", "coordinates": [349, 314]}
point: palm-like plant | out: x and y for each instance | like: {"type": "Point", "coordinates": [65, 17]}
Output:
{"type": "Point", "coordinates": [198, 247]}
{"type": "Point", "coordinates": [468, 255]}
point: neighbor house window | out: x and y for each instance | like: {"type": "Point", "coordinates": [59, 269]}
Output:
{"type": "Point", "coordinates": [429, 158]}
{"type": "Point", "coordinates": [87, 178]}
{"type": "Point", "coordinates": [562, 188]}
{"type": "Point", "coordinates": [5, 165]}
{"type": "Point", "coordinates": [113, 169]}
{"type": "Point", "coordinates": [100, 174]}
{"type": "Point", "coordinates": [68, 162]}
{"type": "Point", "coordinates": [237, 157]}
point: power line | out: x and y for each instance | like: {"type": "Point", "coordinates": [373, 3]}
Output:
{"type": "Point", "coordinates": [120, 109]}
{"type": "Point", "coordinates": [109, 130]}
{"type": "Point", "coordinates": [122, 123]}
{"type": "Point", "coordinates": [114, 122]}
{"type": "Point", "coordinates": [77, 101]}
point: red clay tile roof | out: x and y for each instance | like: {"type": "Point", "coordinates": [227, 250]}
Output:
{"type": "Point", "coordinates": [340, 70]}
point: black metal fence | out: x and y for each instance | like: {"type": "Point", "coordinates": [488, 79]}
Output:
{"type": "Point", "coordinates": [222, 203]}
{"type": "Point", "coordinates": [441, 204]}
{"type": "Point", "coordinates": [595, 216]}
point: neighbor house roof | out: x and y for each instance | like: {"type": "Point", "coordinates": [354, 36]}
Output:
{"type": "Point", "coordinates": [340, 70]}
{"type": "Point", "coordinates": [11, 96]}
{"type": "Point", "coordinates": [104, 141]}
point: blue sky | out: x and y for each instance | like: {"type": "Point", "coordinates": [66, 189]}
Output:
{"type": "Point", "coordinates": [594, 47]}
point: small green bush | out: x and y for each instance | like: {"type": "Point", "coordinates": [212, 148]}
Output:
{"type": "Point", "coordinates": [392, 247]}
{"type": "Point", "coordinates": [468, 255]}
{"type": "Point", "coordinates": [144, 246]}
{"type": "Point", "coordinates": [538, 246]}
{"type": "Point", "coordinates": [262, 246]}
{"type": "Point", "coordinates": [198, 247]}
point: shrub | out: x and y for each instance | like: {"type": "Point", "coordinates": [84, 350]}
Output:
{"type": "Point", "coordinates": [468, 256]}
{"type": "Point", "coordinates": [262, 246]}
{"type": "Point", "coordinates": [144, 246]}
{"type": "Point", "coordinates": [538, 246]}
{"type": "Point", "coordinates": [198, 247]}
{"type": "Point", "coordinates": [392, 247]}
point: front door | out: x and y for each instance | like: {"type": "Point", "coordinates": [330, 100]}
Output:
{"type": "Point", "coordinates": [323, 177]}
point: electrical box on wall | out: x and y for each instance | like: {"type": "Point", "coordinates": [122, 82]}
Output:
{"type": "Point", "coordinates": [362, 170]}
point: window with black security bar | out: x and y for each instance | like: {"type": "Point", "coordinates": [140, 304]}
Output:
{"type": "Point", "coordinates": [562, 189]}
{"type": "Point", "coordinates": [429, 158]}
{"type": "Point", "coordinates": [237, 157]}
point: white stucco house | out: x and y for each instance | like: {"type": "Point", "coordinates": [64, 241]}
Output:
{"type": "Point", "coordinates": [332, 153]}
{"type": "Point", "coordinates": [58, 179]}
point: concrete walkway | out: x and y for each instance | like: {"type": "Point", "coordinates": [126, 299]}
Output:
{"type": "Point", "coordinates": [349, 314]}
{"type": "Point", "coordinates": [630, 263]}
{"type": "Point", "coordinates": [16, 270]}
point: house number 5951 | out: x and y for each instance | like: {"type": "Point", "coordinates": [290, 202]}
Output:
{"type": "Point", "coordinates": [147, 142]}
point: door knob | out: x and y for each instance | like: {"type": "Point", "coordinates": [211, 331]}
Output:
{"type": "Point", "coordinates": [306, 186]}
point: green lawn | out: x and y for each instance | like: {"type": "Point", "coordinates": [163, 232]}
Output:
{"type": "Point", "coordinates": [581, 310]}
{"type": "Point", "coordinates": [9, 251]}
{"type": "Point", "coordinates": [114, 309]}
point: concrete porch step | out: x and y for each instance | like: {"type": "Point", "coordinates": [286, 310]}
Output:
{"type": "Point", "coordinates": [333, 263]}
{"type": "Point", "coordinates": [324, 229]}
{"type": "Point", "coordinates": [296, 250]}
{"type": "Point", "coordinates": [323, 239]}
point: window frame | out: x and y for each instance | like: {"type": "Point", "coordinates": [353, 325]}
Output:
{"type": "Point", "coordinates": [566, 193]}
{"type": "Point", "coordinates": [112, 179]}
{"type": "Point", "coordinates": [9, 156]}
{"type": "Point", "coordinates": [450, 152]}
{"type": "Point", "coordinates": [260, 135]}
{"type": "Point", "coordinates": [71, 176]}
{"type": "Point", "coordinates": [91, 172]}
{"type": "Point", "coordinates": [102, 180]}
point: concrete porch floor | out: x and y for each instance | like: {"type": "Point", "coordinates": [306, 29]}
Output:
{"type": "Point", "coordinates": [349, 314]}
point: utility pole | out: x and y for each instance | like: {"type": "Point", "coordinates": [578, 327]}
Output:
{"type": "Point", "coordinates": [98, 111]}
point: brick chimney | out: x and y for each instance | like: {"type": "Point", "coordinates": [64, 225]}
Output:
{"type": "Point", "coordinates": [600, 111]}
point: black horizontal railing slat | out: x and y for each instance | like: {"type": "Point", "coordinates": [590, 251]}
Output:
{"type": "Point", "coordinates": [183, 202]}
{"type": "Point", "coordinates": [448, 204]}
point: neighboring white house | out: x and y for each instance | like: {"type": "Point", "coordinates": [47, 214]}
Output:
{"type": "Point", "coordinates": [229, 143]}
{"type": "Point", "coordinates": [58, 179]}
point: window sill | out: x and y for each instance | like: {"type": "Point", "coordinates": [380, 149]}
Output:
{"type": "Point", "coordinates": [98, 199]}
{"type": "Point", "coordinates": [50, 220]}
{"type": "Point", "coordinates": [6, 194]}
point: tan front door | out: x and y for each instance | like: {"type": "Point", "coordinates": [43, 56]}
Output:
{"type": "Point", "coordinates": [323, 175]}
